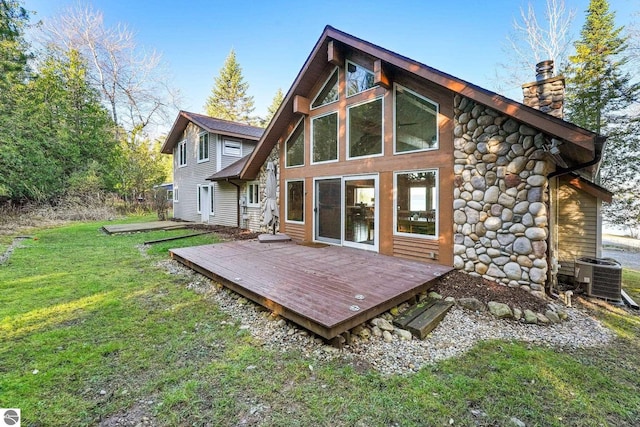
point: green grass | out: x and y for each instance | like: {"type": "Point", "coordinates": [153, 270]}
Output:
{"type": "Point", "coordinates": [90, 312]}
{"type": "Point", "coordinates": [631, 283]}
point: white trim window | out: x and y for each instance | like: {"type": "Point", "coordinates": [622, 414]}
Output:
{"type": "Point", "coordinates": [182, 153]}
{"type": "Point", "coordinates": [329, 92]}
{"type": "Point", "coordinates": [253, 194]}
{"type": "Point", "coordinates": [324, 138]}
{"type": "Point", "coordinates": [416, 203]}
{"type": "Point", "coordinates": [175, 195]}
{"type": "Point", "coordinates": [199, 201]}
{"type": "Point", "coordinates": [203, 147]}
{"type": "Point", "coordinates": [294, 201]}
{"type": "Point", "coordinates": [415, 121]}
{"type": "Point", "coordinates": [232, 148]}
{"type": "Point", "coordinates": [199, 198]}
{"type": "Point", "coordinates": [359, 78]}
{"type": "Point", "coordinates": [294, 147]}
{"type": "Point", "coordinates": [365, 129]}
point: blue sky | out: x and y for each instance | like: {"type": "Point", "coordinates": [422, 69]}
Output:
{"type": "Point", "coordinates": [272, 39]}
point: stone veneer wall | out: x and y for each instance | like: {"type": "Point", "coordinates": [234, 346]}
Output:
{"type": "Point", "coordinates": [274, 157]}
{"type": "Point", "coordinates": [500, 197]}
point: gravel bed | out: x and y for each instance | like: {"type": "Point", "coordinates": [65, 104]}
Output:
{"type": "Point", "coordinates": [459, 331]}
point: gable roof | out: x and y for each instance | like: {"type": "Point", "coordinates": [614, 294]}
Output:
{"type": "Point", "coordinates": [583, 145]}
{"type": "Point", "coordinates": [210, 124]}
{"type": "Point", "coordinates": [230, 172]}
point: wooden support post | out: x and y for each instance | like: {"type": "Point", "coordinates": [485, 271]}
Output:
{"type": "Point", "coordinates": [301, 105]}
{"type": "Point", "coordinates": [334, 55]}
{"type": "Point", "coordinates": [380, 76]}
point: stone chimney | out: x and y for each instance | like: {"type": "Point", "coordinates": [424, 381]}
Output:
{"type": "Point", "coordinates": [547, 92]}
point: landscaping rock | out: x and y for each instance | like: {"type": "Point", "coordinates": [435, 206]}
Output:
{"type": "Point", "coordinates": [386, 336]}
{"type": "Point", "coordinates": [530, 317]}
{"type": "Point", "coordinates": [552, 316]}
{"type": "Point", "coordinates": [434, 295]}
{"type": "Point", "coordinates": [403, 334]}
{"type": "Point", "coordinates": [542, 318]}
{"type": "Point", "coordinates": [471, 304]}
{"type": "Point", "coordinates": [517, 313]}
{"type": "Point", "coordinates": [500, 310]}
{"type": "Point", "coordinates": [384, 325]}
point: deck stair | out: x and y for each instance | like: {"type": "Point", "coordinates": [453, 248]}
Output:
{"type": "Point", "coordinates": [423, 317]}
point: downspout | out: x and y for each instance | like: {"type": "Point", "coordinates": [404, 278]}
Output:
{"type": "Point", "coordinates": [237, 200]}
{"type": "Point", "coordinates": [552, 261]}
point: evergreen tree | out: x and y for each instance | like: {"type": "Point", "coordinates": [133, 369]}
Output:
{"type": "Point", "coordinates": [597, 86]}
{"type": "Point", "coordinates": [229, 99]}
{"type": "Point", "coordinates": [273, 108]}
{"type": "Point", "coordinates": [13, 47]}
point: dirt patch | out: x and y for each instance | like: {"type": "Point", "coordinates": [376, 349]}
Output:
{"type": "Point", "coordinates": [460, 285]}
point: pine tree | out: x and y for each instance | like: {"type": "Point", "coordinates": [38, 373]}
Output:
{"type": "Point", "coordinates": [273, 108]}
{"type": "Point", "coordinates": [229, 99]}
{"type": "Point", "coordinates": [597, 86]}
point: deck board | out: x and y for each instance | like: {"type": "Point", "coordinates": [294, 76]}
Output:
{"type": "Point", "coordinates": [313, 286]}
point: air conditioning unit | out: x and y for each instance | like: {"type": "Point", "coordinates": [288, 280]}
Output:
{"type": "Point", "coordinates": [602, 277]}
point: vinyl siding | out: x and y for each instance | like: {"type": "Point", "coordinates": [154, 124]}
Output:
{"type": "Point", "coordinates": [577, 226]}
{"type": "Point", "coordinates": [254, 223]}
{"type": "Point", "coordinates": [226, 203]}
{"type": "Point", "coordinates": [187, 178]}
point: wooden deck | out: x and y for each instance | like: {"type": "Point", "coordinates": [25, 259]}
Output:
{"type": "Point", "coordinates": [327, 290]}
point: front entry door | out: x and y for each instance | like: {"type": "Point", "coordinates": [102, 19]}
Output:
{"type": "Point", "coordinates": [328, 210]}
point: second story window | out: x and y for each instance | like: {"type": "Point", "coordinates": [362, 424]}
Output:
{"type": "Point", "coordinates": [182, 153]}
{"type": "Point", "coordinates": [359, 79]}
{"type": "Point", "coordinates": [203, 147]}
{"type": "Point", "coordinates": [232, 148]}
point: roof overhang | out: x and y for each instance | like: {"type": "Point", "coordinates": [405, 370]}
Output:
{"type": "Point", "coordinates": [231, 172]}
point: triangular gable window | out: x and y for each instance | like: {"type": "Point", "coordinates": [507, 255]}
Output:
{"type": "Point", "coordinates": [359, 79]}
{"type": "Point", "coordinates": [329, 92]}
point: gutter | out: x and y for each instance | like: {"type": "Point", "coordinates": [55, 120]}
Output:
{"type": "Point", "coordinates": [599, 148]}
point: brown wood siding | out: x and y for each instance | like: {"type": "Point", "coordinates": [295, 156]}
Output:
{"type": "Point", "coordinates": [577, 226]}
{"type": "Point", "coordinates": [416, 249]}
{"type": "Point", "coordinates": [384, 166]}
{"type": "Point", "coordinates": [295, 231]}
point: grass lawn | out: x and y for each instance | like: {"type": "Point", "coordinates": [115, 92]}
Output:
{"type": "Point", "coordinates": [90, 327]}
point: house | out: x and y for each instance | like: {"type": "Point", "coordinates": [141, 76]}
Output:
{"type": "Point", "coordinates": [379, 152]}
{"type": "Point", "coordinates": [203, 146]}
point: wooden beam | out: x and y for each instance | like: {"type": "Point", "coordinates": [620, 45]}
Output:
{"type": "Point", "coordinates": [380, 76]}
{"type": "Point", "coordinates": [334, 55]}
{"type": "Point", "coordinates": [301, 105]}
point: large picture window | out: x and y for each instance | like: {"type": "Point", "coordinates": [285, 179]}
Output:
{"type": "Point", "coordinates": [416, 121]}
{"type": "Point", "coordinates": [365, 129]}
{"type": "Point", "coordinates": [325, 138]}
{"type": "Point", "coordinates": [359, 79]}
{"type": "Point", "coordinates": [416, 203]}
{"type": "Point", "coordinates": [295, 147]}
{"type": "Point", "coordinates": [328, 93]}
{"type": "Point", "coordinates": [295, 201]}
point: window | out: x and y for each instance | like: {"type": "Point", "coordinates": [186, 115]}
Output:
{"type": "Point", "coordinates": [199, 198]}
{"type": "Point", "coordinates": [325, 138]}
{"type": "Point", "coordinates": [295, 201]}
{"type": "Point", "coordinates": [203, 147]}
{"type": "Point", "coordinates": [359, 79]}
{"type": "Point", "coordinates": [416, 122]}
{"type": "Point", "coordinates": [175, 194]}
{"type": "Point", "coordinates": [182, 153]}
{"type": "Point", "coordinates": [212, 208]}
{"type": "Point", "coordinates": [329, 92]}
{"type": "Point", "coordinates": [365, 129]}
{"type": "Point", "coordinates": [416, 203]}
{"type": "Point", "coordinates": [295, 147]}
{"type": "Point", "coordinates": [232, 148]}
{"type": "Point", "coordinates": [170, 195]}
{"type": "Point", "coordinates": [253, 195]}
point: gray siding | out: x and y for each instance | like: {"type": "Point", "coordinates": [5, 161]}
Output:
{"type": "Point", "coordinates": [226, 203]}
{"type": "Point", "coordinates": [187, 178]}
{"type": "Point", "coordinates": [577, 226]}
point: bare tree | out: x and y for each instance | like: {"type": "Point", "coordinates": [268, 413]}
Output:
{"type": "Point", "coordinates": [532, 41]}
{"type": "Point", "coordinates": [132, 82]}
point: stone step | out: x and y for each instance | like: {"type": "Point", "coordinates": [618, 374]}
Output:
{"type": "Point", "coordinates": [412, 312]}
{"type": "Point", "coordinates": [426, 322]}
